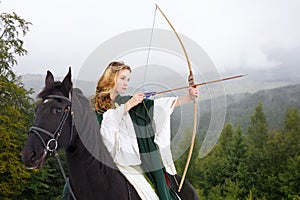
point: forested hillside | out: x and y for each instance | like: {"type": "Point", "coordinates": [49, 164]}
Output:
{"type": "Point", "coordinates": [240, 106]}
{"type": "Point", "coordinates": [276, 102]}
{"type": "Point", "coordinates": [259, 163]}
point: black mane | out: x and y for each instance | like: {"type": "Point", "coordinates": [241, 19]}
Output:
{"type": "Point", "coordinates": [55, 87]}
{"type": "Point", "coordinates": [88, 127]}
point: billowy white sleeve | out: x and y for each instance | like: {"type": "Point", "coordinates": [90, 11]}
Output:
{"type": "Point", "coordinates": [109, 129]}
{"type": "Point", "coordinates": [163, 108]}
{"type": "Point", "coordinates": [119, 137]}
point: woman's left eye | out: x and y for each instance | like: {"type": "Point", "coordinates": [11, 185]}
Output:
{"type": "Point", "coordinates": [57, 110]}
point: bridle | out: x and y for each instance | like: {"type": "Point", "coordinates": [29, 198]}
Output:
{"type": "Point", "coordinates": [56, 134]}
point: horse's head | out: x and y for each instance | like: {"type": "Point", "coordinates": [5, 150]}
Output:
{"type": "Point", "coordinates": [53, 126]}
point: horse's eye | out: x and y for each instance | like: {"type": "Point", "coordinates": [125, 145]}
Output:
{"type": "Point", "coordinates": [57, 110]}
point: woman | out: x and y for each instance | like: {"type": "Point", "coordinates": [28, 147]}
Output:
{"type": "Point", "coordinates": [136, 131]}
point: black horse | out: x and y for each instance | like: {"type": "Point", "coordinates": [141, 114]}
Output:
{"type": "Point", "coordinates": [92, 176]}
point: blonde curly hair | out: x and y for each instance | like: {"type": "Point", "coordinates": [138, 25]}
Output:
{"type": "Point", "coordinates": [101, 101]}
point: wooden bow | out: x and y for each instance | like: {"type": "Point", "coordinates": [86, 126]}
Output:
{"type": "Point", "coordinates": [191, 83]}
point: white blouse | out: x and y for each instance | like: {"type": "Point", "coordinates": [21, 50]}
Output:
{"type": "Point", "coordinates": [119, 136]}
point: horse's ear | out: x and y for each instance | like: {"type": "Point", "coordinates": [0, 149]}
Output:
{"type": "Point", "coordinates": [67, 82]}
{"type": "Point", "coordinates": [49, 79]}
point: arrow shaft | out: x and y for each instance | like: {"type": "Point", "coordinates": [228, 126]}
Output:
{"type": "Point", "coordinates": [198, 84]}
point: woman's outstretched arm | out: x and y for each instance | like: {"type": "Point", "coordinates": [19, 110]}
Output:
{"type": "Point", "coordinates": [192, 94]}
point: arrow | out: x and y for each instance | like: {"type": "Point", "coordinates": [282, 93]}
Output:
{"type": "Point", "coordinates": [149, 94]}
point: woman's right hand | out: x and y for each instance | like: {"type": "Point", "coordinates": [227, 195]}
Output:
{"type": "Point", "coordinates": [136, 99]}
{"type": "Point", "coordinates": [133, 101]}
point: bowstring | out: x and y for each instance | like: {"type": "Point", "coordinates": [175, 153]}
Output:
{"type": "Point", "coordinates": [148, 56]}
{"type": "Point", "coordinates": [149, 47]}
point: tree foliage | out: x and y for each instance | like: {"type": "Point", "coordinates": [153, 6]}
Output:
{"type": "Point", "coordinates": [258, 164]}
{"type": "Point", "coordinates": [16, 182]}
{"type": "Point", "coordinates": [16, 108]}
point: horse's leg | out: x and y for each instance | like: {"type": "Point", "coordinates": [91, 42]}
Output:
{"type": "Point", "coordinates": [187, 192]}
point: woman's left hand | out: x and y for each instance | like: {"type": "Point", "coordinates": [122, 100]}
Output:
{"type": "Point", "coordinates": [193, 92]}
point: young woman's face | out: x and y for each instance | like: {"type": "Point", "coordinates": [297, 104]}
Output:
{"type": "Point", "coordinates": [123, 78]}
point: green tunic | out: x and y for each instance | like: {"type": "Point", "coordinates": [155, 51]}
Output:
{"type": "Point", "coordinates": [142, 116]}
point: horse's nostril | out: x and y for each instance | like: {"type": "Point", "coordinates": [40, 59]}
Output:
{"type": "Point", "coordinates": [32, 155]}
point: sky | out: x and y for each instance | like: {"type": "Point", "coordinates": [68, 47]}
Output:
{"type": "Point", "coordinates": [236, 34]}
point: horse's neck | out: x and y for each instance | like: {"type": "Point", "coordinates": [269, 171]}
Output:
{"type": "Point", "coordinates": [79, 156]}
{"type": "Point", "coordinates": [88, 174]}
{"type": "Point", "coordinates": [87, 139]}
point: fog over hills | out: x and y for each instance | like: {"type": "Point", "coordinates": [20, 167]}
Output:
{"type": "Point", "coordinates": [256, 80]}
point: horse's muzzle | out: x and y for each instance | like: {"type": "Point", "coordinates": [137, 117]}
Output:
{"type": "Point", "coordinates": [33, 158]}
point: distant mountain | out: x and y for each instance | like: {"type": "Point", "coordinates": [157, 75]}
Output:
{"type": "Point", "coordinates": [255, 80]}
{"type": "Point", "coordinates": [33, 81]}
{"type": "Point", "coordinates": [275, 104]}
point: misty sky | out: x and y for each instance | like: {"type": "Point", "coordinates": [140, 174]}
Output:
{"type": "Point", "coordinates": [236, 34]}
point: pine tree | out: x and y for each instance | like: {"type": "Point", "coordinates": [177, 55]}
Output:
{"type": "Point", "coordinates": [225, 139]}
{"type": "Point", "coordinates": [237, 158]}
{"type": "Point", "coordinates": [292, 121]}
{"type": "Point", "coordinates": [289, 177]}
{"type": "Point", "coordinates": [258, 129]}
{"type": "Point", "coordinates": [257, 138]}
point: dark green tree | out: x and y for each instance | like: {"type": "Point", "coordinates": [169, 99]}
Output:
{"type": "Point", "coordinates": [16, 108]}
{"type": "Point", "coordinates": [289, 176]}
{"type": "Point", "coordinates": [237, 159]}
{"type": "Point", "coordinates": [281, 164]}
{"type": "Point", "coordinates": [257, 138]}
{"type": "Point", "coordinates": [258, 129]}
{"type": "Point", "coordinates": [213, 170]}
{"type": "Point", "coordinates": [16, 111]}
{"type": "Point", "coordinates": [225, 139]}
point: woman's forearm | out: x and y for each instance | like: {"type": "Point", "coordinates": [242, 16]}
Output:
{"type": "Point", "coordinates": [192, 95]}
{"type": "Point", "coordinates": [183, 100]}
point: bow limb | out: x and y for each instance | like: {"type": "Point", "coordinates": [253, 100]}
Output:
{"type": "Point", "coordinates": [191, 82]}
